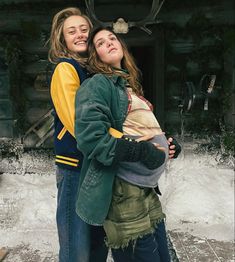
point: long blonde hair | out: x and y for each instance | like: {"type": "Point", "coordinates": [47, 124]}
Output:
{"type": "Point", "coordinates": [58, 48]}
{"type": "Point", "coordinates": [95, 65]}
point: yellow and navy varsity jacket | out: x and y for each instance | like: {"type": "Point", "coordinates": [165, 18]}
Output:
{"type": "Point", "coordinates": [66, 79]}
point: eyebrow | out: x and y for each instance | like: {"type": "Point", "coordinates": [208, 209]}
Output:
{"type": "Point", "coordinates": [103, 37]}
{"type": "Point", "coordinates": [73, 27]}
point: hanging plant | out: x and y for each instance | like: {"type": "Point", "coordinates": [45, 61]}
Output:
{"type": "Point", "coordinates": [199, 21]}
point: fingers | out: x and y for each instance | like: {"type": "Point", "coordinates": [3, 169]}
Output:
{"type": "Point", "coordinates": [171, 148]}
{"type": "Point", "coordinates": [169, 140]}
{"type": "Point", "coordinates": [171, 153]}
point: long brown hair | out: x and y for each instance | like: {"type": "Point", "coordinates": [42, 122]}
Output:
{"type": "Point", "coordinates": [58, 48]}
{"type": "Point", "coordinates": [95, 65]}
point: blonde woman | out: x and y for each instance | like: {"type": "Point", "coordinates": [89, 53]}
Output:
{"type": "Point", "coordinates": [68, 51]}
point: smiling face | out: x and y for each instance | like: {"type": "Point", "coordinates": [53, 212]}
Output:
{"type": "Point", "coordinates": [108, 48]}
{"type": "Point", "coordinates": [75, 31]}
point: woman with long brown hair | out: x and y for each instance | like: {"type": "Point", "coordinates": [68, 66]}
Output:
{"type": "Point", "coordinates": [121, 169]}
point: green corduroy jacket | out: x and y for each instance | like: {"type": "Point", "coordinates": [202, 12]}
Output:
{"type": "Point", "coordinates": [101, 103]}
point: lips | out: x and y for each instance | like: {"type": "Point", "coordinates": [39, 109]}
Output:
{"type": "Point", "coordinates": [112, 49]}
{"type": "Point", "coordinates": [80, 43]}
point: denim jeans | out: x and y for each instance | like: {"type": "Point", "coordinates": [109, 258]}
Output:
{"type": "Point", "coordinates": [79, 242]}
{"type": "Point", "coordinates": [149, 248]}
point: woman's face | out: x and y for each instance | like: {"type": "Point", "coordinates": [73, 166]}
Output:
{"type": "Point", "coordinates": [75, 31]}
{"type": "Point", "coordinates": [108, 48]}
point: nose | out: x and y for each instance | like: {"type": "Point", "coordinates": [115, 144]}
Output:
{"type": "Point", "coordinates": [80, 34]}
{"type": "Point", "coordinates": [108, 43]}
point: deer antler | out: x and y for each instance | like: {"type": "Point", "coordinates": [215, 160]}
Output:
{"type": "Point", "coordinates": [90, 10]}
{"type": "Point", "coordinates": [150, 18]}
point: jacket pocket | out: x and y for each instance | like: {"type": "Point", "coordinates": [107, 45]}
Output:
{"type": "Point", "coordinates": [93, 175]}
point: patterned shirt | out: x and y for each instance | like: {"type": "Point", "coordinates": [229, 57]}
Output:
{"type": "Point", "coordinates": [140, 119]}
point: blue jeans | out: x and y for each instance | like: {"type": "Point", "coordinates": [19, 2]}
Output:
{"type": "Point", "coordinates": [149, 248]}
{"type": "Point", "coordinates": [79, 242]}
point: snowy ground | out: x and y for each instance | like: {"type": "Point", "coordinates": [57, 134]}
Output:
{"type": "Point", "coordinates": [198, 196]}
{"type": "Point", "coordinates": [198, 199]}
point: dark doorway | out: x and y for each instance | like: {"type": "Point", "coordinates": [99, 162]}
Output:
{"type": "Point", "coordinates": [144, 57]}
{"type": "Point", "coordinates": [150, 60]}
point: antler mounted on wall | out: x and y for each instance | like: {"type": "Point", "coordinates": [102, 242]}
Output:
{"type": "Point", "coordinates": [122, 27]}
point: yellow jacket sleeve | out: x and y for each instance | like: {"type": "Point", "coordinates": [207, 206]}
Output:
{"type": "Point", "coordinates": [64, 84]}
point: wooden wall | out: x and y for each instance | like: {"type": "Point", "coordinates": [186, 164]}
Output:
{"type": "Point", "coordinates": [197, 38]}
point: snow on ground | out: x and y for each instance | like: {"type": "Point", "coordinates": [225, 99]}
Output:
{"type": "Point", "coordinates": [198, 198]}
{"type": "Point", "coordinates": [27, 207]}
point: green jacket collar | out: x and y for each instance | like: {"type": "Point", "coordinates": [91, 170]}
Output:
{"type": "Point", "coordinates": [117, 79]}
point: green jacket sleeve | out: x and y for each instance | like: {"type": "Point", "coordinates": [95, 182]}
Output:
{"type": "Point", "coordinates": [93, 118]}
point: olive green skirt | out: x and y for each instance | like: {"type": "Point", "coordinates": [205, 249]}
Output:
{"type": "Point", "coordinates": [134, 212]}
